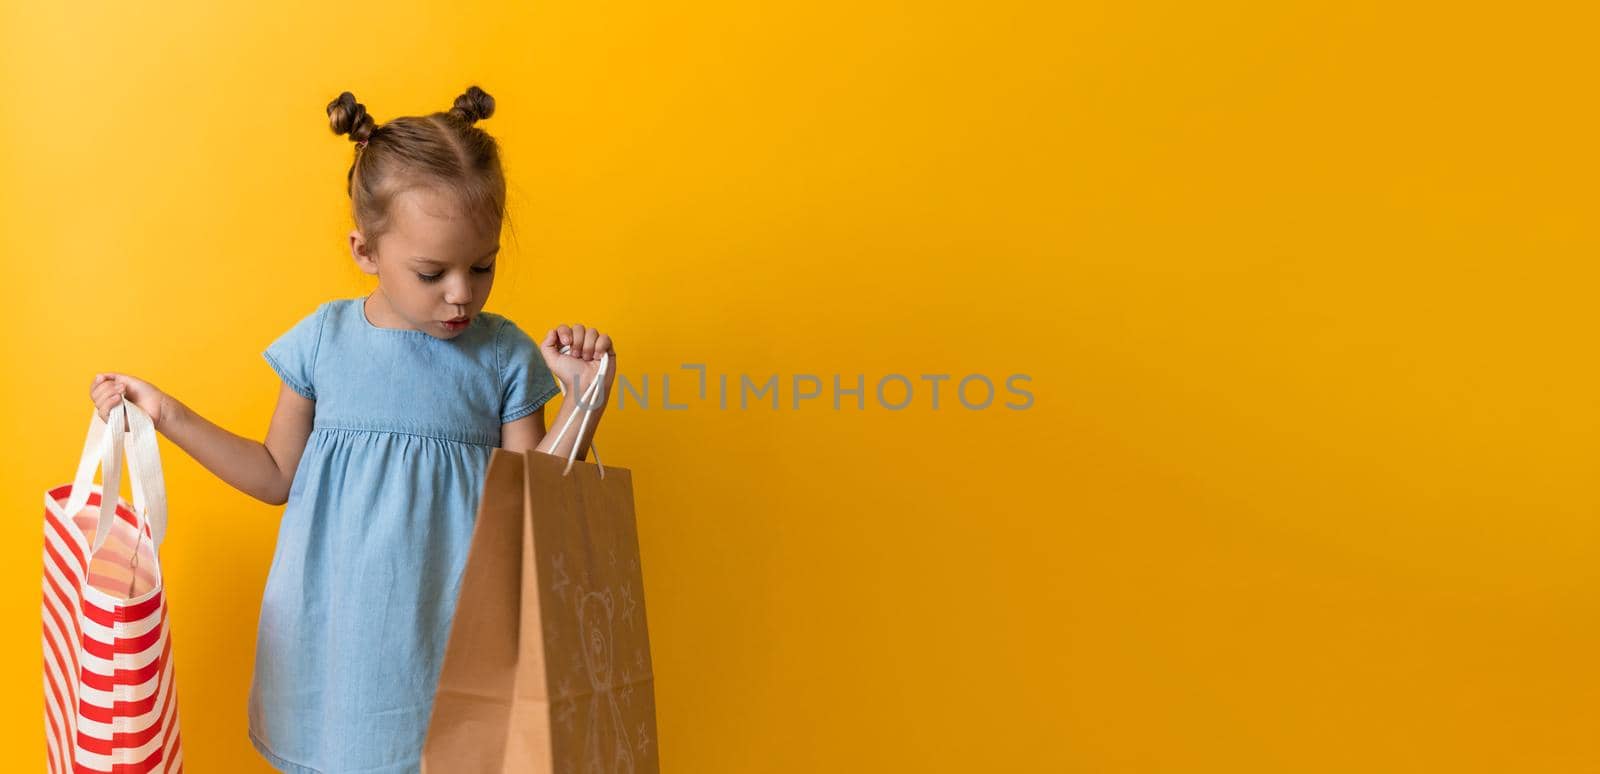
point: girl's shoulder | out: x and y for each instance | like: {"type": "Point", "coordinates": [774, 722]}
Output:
{"type": "Point", "coordinates": [334, 309]}
{"type": "Point", "coordinates": [494, 322]}
{"type": "Point", "coordinates": [504, 330]}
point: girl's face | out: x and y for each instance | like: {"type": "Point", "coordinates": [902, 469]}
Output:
{"type": "Point", "coordinates": [435, 268]}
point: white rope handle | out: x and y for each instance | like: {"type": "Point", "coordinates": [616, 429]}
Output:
{"type": "Point", "coordinates": [586, 406]}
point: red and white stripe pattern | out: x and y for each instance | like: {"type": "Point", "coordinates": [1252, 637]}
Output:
{"type": "Point", "coordinates": [111, 706]}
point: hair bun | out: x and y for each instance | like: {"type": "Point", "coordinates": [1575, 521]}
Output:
{"type": "Point", "coordinates": [473, 106]}
{"type": "Point", "coordinates": [347, 116]}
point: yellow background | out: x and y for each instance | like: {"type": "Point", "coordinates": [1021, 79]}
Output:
{"type": "Point", "coordinates": [1305, 291]}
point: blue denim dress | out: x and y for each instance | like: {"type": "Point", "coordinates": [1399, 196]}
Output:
{"type": "Point", "coordinates": [374, 537]}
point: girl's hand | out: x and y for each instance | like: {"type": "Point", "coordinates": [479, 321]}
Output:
{"type": "Point", "coordinates": [109, 389]}
{"type": "Point", "coordinates": [581, 363]}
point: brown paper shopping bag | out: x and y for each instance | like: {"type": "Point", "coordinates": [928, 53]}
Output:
{"type": "Point", "coordinates": [548, 665]}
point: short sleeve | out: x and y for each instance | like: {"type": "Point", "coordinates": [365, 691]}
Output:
{"type": "Point", "coordinates": [294, 354]}
{"type": "Point", "coordinates": [525, 381]}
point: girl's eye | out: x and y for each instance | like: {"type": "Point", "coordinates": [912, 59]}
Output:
{"type": "Point", "coordinates": [436, 277]}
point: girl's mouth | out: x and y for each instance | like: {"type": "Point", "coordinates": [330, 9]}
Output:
{"type": "Point", "coordinates": [457, 324]}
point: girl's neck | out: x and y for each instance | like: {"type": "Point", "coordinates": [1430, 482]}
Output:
{"type": "Point", "coordinates": [379, 314]}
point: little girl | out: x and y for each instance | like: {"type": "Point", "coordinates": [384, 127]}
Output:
{"type": "Point", "coordinates": [389, 409]}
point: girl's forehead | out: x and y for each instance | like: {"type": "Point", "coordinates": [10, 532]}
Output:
{"type": "Point", "coordinates": [430, 220]}
{"type": "Point", "coordinates": [427, 207]}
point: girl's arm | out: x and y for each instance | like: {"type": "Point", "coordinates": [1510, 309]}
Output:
{"type": "Point", "coordinates": [263, 470]}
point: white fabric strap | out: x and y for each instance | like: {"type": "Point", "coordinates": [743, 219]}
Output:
{"type": "Point", "coordinates": [88, 461]}
{"type": "Point", "coordinates": [103, 448]}
{"type": "Point", "coordinates": [593, 397]}
{"type": "Point", "coordinates": [144, 467]}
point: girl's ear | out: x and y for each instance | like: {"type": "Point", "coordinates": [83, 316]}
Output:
{"type": "Point", "coordinates": [361, 251]}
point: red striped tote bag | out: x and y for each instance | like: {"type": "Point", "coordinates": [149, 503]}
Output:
{"type": "Point", "coordinates": [110, 702]}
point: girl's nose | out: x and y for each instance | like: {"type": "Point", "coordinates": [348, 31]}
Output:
{"type": "Point", "coordinates": [459, 293]}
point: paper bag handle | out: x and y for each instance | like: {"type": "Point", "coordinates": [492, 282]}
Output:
{"type": "Point", "coordinates": [586, 406]}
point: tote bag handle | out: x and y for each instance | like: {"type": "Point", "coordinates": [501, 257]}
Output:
{"type": "Point", "coordinates": [103, 448]}
{"type": "Point", "coordinates": [587, 403]}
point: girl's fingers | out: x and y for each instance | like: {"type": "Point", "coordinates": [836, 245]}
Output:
{"type": "Point", "coordinates": [108, 390]}
{"type": "Point", "coordinates": [109, 400]}
{"type": "Point", "coordinates": [583, 342]}
{"type": "Point", "coordinates": [586, 343]}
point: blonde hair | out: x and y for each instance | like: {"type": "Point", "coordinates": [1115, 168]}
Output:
{"type": "Point", "coordinates": [442, 151]}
